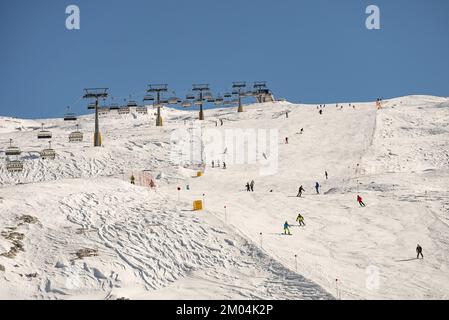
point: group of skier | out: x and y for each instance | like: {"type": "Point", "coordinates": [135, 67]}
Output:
{"type": "Point", "coordinates": [250, 186]}
{"type": "Point", "coordinates": [301, 223]}
{"type": "Point", "coordinates": [218, 164]}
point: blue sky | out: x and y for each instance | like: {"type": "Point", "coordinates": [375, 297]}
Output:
{"type": "Point", "coordinates": [315, 51]}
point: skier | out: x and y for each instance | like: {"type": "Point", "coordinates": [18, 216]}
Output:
{"type": "Point", "coordinates": [360, 201]}
{"type": "Point", "coordinates": [252, 185]}
{"type": "Point", "coordinates": [321, 111]}
{"type": "Point", "coordinates": [133, 179]}
{"type": "Point", "coordinates": [221, 122]}
{"type": "Point", "coordinates": [317, 188]}
{"type": "Point", "coordinates": [419, 252]}
{"type": "Point", "coordinates": [224, 165]}
{"type": "Point", "coordinates": [287, 228]}
{"type": "Point", "coordinates": [302, 130]}
{"type": "Point", "coordinates": [326, 175]}
{"type": "Point", "coordinates": [213, 164]}
{"type": "Point", "coordinates": [286, 140]}
{"type": "Point", "coordinates": [301, 189]}
{"type": "Point", "coordinates": [300, 220]}
{"type": "Point", "coordinates": [248, 188]}
{"type": "Point", "coordinates": [286, 114]}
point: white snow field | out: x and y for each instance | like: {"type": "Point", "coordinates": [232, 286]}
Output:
{"type": "Point", "coordinates": [145, 243]}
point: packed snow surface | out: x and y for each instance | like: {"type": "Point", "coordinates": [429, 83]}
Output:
{"type": "Point", "coordinates": [75, 228]}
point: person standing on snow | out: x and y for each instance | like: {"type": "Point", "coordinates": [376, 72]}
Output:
{"type": "Point", "coordinates": [286, 140]}
{"type": "Point", "coordinates": [360, 201]}
{"type": "Point", "coordinates": [252, 185]}
{"type": "Point", "coordinates": [248, 188]}
{"type": "Point", "coordinates": [213, 164]}
{"type": "Point", "coordinates": [419, 252]}
{"type": "Point", "coordinates": [300, 220]}
{"type": "Point", "coordinates": [325, 174]}
{"type": "Point", "coordinates": [321, 111]}
{"type": "Point", "coordinates": [133, 179]}
{"type": "Point", "coordinates": [224, 165]}
{"type": "Point", "coordinates": [301, 189]}
{"type": "Point", "coordinates": [287, 228]}
{"type": "Point", "coordinates": [317, 188]}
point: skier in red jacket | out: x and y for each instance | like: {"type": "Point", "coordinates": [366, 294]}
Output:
{"type": "Point", "coordinates": [360, 201]}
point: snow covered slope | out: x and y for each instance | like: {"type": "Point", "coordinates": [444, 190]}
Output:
{"type": "Point", "coordinates": [147, 244]}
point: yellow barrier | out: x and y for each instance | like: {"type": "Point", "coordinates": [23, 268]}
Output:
{"type": "Point", "coordinates": [197, 205]}
{"type": "Point", "coordinates": [199, 174]}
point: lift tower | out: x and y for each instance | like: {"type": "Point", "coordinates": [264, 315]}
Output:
{"type": "Point", "coordinates": [158, 89]}
{"type": "Point", "coordinates": [96, 93]}
{"type": "Point", "coordinates": [238, 89]}
{"type": "Point", "coordinates": [200, 99]}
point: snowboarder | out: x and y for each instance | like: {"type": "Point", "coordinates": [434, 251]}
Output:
{"type": "Point", "coordinates": [317, 188]}
{"type": "Point", "coordinates": [252, 185]}
{"type": "Point", "coordinates": [301, 189]}
{"type": "Point", "coordinates": [133, 179]}
{"type": "Point", "coordinates": [419, 252]}
{"type": "Point", "coordinates": [326, 175]}
{"type": "Point", "coordinates": [360, 201]}
{"type": "Point", "coordinates": [248, 187]}
{"type": "Point", "coordinates": [287, 228]}
{"type": "Point", "coordinates": [300, 220]}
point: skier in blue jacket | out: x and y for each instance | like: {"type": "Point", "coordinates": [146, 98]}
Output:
{"type": "Point", "coordinates": [287, 228]}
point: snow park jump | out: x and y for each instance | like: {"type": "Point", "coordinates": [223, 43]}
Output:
{"type": "Point", "coordinates": [141, 165]}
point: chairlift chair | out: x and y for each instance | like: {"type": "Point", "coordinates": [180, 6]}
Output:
{"type": "Point", "coordinates": [190, 97]}
{"type": "Point", "coordinates": [186, 104]}
{"type": "Point", "coordinates": [227, 95]}
{"type": "Point", "coordinates": [14, 166]}
{"type": "Point", "coordinates": [114, 106]}
{"type": "Point", "coordinates": [12, 150]}
{"type": "Point", "coordinates": [142, 110]}
{"type": "Point", "coordinates": [132, 104]}
{"type": "Point", "coordinates": [198, 102]}
{"type": "Point", "coordinates": [76, 136]}
{"type": "Point", "coordinates": [148, 98]}
{"type": "Point", "coordinates": [44, 134]}
{"type": "Point", "coordinates": [91, 106]}
{"type": "Point", "coordinates": [48, 153]}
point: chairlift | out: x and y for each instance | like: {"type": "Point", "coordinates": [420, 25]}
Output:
{"type": "Point", "coordinates": [198, 102]}
{"type": "Point", "coordinates": [11, 150]}
{"type": "Point", "coordinates": [76, 136]}
{"type": "Point", "coordinates": [227, 95]}
{"type": "Point", "coordinates": [132, 104]}
{"type": "Point", "coordinates": [207, 95]}
{"type": "Point", "coordinates": [190, 97]}
{"type": "Point", "coordinates": [91, 106]}
{"type": "Point", "coordinates": [186, 104]}
{"type": "Point", "coordinates": [226, 102]}
{"type": "Point", "coordinates": [211, 100]}
{"type": "Point", "coordinates": [173, 100]}
{"type": "Point", "coordinates": [48, 153]}
{"type": "Point", "coordinates": [234, 101]}
{"type": "Point", "coordinates": [69, 116]}
{"type": "Point", "coordinates": [148, 98]}
{"type": "Point", "coordinates": [142, 110]}
{"type": "Point", "coordinates": [14, 166]}
{"type": "Point", "coordinates": [44, 134]}
{"type": "Point", "coordinates": [249, 94]}
{"type": "Point", "coordinates": [124, 110]}
{"type": "Point", "coordinates": [114, 106]}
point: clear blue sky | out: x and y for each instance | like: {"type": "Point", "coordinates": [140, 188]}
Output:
{"type": "Point", "coordinates": [315, 51]}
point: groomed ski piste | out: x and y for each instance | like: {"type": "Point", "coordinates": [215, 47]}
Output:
{"type": "Point", "coordinates": [76, 228]}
